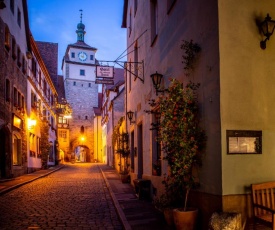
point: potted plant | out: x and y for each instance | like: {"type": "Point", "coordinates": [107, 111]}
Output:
{"type": "Point", "coordinates": [182, 141]}
{"type": "Point", "coordinates": [124, 152]}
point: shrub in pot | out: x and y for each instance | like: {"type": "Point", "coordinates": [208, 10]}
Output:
{"type": "Point", "coordinates": [181, 137]}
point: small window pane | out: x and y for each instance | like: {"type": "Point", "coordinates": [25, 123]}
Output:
{"type": "Point", "coordinates": [82, 72]}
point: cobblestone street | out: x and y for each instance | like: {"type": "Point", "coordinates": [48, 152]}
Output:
{"type": "Point", "coordinates": [75, 197]}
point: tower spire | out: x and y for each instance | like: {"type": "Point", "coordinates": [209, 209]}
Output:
{"type": "Point", "coordinates": [80, 29]}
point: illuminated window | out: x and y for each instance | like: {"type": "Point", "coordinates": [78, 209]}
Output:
{"type": "Point", "coordinates": [17, 150]}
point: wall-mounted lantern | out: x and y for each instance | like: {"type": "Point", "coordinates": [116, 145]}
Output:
{"type": "Point", "coordinates": [156, 79]}
{"type": "Point", "coordinates": [130, 115]}
{"type": "Point", "coordinates": [267, 28]}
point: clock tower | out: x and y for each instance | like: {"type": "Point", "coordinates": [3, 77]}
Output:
{"type": "Point", "coordinates": [78, 68]}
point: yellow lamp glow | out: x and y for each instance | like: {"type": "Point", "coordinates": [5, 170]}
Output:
{"type": "Point", "coordinates": [31, 123]}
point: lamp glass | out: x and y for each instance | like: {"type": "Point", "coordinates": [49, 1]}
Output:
{"type": "Point", "coordinates": [268, 26]}
{"type": "Point", "coordinates": [156, 78]}
{"type": "Point", "coordinates": [130, 115]}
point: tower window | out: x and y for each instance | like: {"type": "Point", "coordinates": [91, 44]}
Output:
{"type": "Point", "coordinates": [73, 55]}
{"type": "Point", "coordinates": [74, 83]}
{"type": "Point", "coordinates": [90, 84]}
{"type": "Point", "coordinates": [86, 117]}
{"type": "Point", "coordinates": [82, 72]}
{"type": "Point", "coordinates": [91, 57]}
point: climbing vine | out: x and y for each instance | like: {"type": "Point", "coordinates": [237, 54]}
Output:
{"type": "Point", "coordinates": [189, 56]}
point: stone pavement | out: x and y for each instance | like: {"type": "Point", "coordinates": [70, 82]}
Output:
{"type": "Point", "coordinates": [134, 213]}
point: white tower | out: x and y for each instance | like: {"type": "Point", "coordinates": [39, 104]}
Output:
{"type": "Point", "coordinates": [78, 67]}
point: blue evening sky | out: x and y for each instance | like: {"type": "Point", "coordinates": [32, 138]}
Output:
{"type": "Point", "coordinates": [56, 21]}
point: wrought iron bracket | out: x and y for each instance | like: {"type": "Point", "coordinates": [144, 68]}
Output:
{"type": "Point", "coordinates": [135, 68]}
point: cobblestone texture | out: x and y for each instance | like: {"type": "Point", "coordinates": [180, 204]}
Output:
{"type": "Point", "coordinates": [75, 197]}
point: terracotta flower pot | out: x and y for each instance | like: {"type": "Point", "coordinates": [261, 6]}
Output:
{"type": "Point", "coordinates": [185, 220]}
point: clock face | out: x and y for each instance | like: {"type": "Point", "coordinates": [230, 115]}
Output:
{"type": "Point", "coordinates": [82, 56]}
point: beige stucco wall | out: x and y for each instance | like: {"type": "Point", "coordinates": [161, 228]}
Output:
{"type": "Point", "coordinates": [247, 90]}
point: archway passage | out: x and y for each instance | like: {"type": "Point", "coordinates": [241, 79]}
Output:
{"type": "Point", "coordinates": [4, 150]}
{"type": "Point", "coordinates": [82, 154]}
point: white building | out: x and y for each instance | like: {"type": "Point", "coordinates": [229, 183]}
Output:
{"type": "Point", "coordinates": [41, 102]}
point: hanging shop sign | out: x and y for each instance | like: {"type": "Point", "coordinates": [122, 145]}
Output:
{"type": "Point", "coordinates": [104, 71]}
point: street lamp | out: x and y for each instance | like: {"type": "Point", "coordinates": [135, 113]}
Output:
{"type": "Point", "coordinates": [267, 28]}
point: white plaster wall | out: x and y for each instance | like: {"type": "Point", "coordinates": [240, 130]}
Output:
{"type": "Point", "coordinates": [196, 20]}
{"type": "Point", "coordinates": [89, 72]}
{"type": "Point", "coordinates": [247, 90]}
{"type": "Point", "coordinates": [11, 20]}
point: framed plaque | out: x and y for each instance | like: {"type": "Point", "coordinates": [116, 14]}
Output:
{"type": "Point", "coordinates": [244, 142]}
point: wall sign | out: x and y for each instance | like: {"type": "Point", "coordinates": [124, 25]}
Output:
{"type": "Point", "coordinates": [244, 142]}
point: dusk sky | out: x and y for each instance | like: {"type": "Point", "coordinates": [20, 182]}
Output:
{"type": "Point", "coordinates": [56, 20]}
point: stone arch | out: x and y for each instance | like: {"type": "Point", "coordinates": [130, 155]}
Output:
{"type": "Point", "coordinates": [77, 151]}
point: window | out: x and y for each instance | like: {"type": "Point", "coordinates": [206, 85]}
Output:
{"type": "Point", "coordinates": [136, 6]}
{"type": "Point", "coordinates": [44, 87]}
{"type": "Point", "coordinates": [91, 57]}
{"type": "Point", "coordinates": [130, 23]}
{"type": "Point", "coordinates": [13, 47]}
{"type": "Point", "coordinates": [154, 20]}
{"type": "Point", "coordinates": [24, 64]}
{"type": "Point", "coordinates": [19, 60]}
{"type": "Point", "coordinates": [12, 6]}
{"type": "Point", "coordinates": [17, 150]}
{"type": "Point", "coordinates": [74, 83]}
{"type": "Point", "coordinates": [7, 93]}
{"type": "Point", "coordinates": [136, 60]}
{"type": "Point", "coordinates": [73, 55]}
{"type": "Point", "coordinates": [19, 99]}
{"type": "Point", "coordinates": [82, 129]}
{"type": "Point", "coordinates": [63, 134]}
{"type": "Point", "coordinates": [19, 17]}
{"type": "Point", "coordinates": [62, 120]}
{"type": "Point", "coordinates": [15, 96]}
{"type": "Point", "coordinates": [34, 67]}
{"type": "Point", "coordinates": [90, 84]}
{"type": "Point", "coordinates": [7, 38]}
{"type": "Point", "coordinates": [82, 72]}
{"type": "Point", "coordinates": [130, 78]}
{"type": "Point", "coordinates": [86, 117]}
{"type": "Point", "coordinates": [39, 76]}
{"type": "Point", "coordinates": [32, 100]}
{"type": "Point", "coordinates": [23, 102]}
{"type": "Point", "coordinates": [170, 4]}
